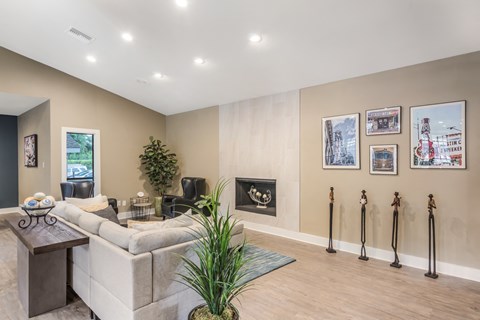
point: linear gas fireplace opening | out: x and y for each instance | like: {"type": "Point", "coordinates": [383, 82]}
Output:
{"type": "Point", "coordinates": [256, 195]}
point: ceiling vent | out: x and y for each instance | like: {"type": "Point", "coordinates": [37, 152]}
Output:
{"type": "Point", "coordinates": [79, 35]}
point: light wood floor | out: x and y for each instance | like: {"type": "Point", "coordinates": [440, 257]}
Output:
{"type": "Point", "coordinates": [339, 286]}
{"type": "Point", "coordinates": [316, 286]}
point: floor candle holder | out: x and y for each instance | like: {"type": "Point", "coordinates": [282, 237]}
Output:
{"type": "Point", "coordinates": [395, 205]}
{"type": "Point", "coordinates": [432, 265]}
{"type": "Point", "coordinates": [363, 202]}
{"type": "Point", "coordinates": [330, 241]}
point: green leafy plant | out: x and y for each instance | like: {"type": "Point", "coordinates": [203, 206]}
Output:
{"type": "Point", "coordinates": [160, 165]}
{"type": "Point", "coordinates": [218, 276]}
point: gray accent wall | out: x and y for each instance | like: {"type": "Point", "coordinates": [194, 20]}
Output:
{"type": "Point", "coordinates": [8, 162]}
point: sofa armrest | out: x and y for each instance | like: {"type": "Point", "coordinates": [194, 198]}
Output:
{"type": "Point", "coordinates": [130, 281]}
{"type": "Point", "coordinates": [150, 240]}
{"type": "Point", "coordinates": [167, 264]}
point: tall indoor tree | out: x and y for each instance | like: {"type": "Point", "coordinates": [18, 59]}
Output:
{"type": "Point", "coordinates": [160, 166]}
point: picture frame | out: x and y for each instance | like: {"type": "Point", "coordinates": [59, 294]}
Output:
{"type": "Point", "coordinates": [384, 159]}
{"type": "Point", "coordinates": [383, 121]}
{"type": "Point", "coordinates": [30, 153]}
{"type": "Point", "coordinates": [437, 136]}
{"type": "Point", "coordinates": [341, 142]}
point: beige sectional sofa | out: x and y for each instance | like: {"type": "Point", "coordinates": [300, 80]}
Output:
{"type": "Point", "coordinates": [126, 274]}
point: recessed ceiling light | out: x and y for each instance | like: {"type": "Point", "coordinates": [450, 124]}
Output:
{"type": "Point", "coordinates": [199, 61]}
{"type": "Point", "coordinates": [158, 75]}
{"type": "Point", "coordinates": [91, 59]}
{"type": "Point", "coordinates": [181, 3]}
{"type": "Point", "coordinates": [127, 37]}
{"type": "Point", "coordinates": [255, 38]}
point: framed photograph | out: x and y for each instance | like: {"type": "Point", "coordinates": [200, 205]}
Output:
{"type": "Point", "coordinates": [383, 159]}
{"type": "Point", "coordinates": [383, 121]}
{"type": "Point", "coordinates": [437, 136]}
{"type": "Point", "coordinates": [30, 151]}
{"type": "Point", "coordinates": [341, 144]}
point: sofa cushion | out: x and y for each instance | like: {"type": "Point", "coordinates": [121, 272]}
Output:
{"type": "Point", "coordinates": [159, 238]}
{"type": "Point", "coordinates": [73, 213]}
{"type": "Point", "coordinates": [116, 234]}
{"type": "Point", "coordinates": [90, 222]}
{"type": "Point", "coordinates": [59, 209]}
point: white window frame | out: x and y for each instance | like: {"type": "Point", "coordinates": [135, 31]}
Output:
{"type": "Point", "coordinates": [96, 155]}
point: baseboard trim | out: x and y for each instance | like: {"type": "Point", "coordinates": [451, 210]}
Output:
{"type": "Point", "coordinates": [124, 215]}
{"type": "Point", "coordinates": [10, 210]}
{"type": "Point", "coordinates": [375, 253]}
{"type": "Point", "coordinates": [128, 215]}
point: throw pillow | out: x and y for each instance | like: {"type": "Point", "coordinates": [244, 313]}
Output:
{"type": "Point", "coordinates": [94, 207]}
{"type": "Point", "coordinates": [107, 213]}
{"type": "Point", "coordinates": [84, 202]}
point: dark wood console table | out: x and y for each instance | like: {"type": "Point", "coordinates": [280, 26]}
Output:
{"type": "Point", "coordinates": [42, 264]}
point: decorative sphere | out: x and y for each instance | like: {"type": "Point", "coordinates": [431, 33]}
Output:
{"type": "Point", "coordinates": [258, 194]}
{"type": "Point", "coordinates": [52, 199]}
{"type": "Point", "coordinates": [46, 203]}
{"type": "Point", "coordinates": [27, 199]}
{"type": "Point", "coordinates": [31, 204]}
{"type": "Point", "coordinates": [264, 196]}
{"type": "Point", "coordinates": [140, 194]}
{"type": "Point", "coordinates": [39, 196]}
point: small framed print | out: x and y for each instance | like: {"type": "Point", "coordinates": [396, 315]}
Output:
{"type": "Point", "coordinates": [437, 136]}
{"type": "Point", "coordinates": [341, 144]}
{"type": "Point", "coordinates": [383, 121]}
{"type": "Point", "coordinates": [383, 159]}
{"type": "Point", "coordinates": [30, 150]}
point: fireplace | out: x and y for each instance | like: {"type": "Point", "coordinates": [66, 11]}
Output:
{"type": "Point", "coordinates": [248, 189]}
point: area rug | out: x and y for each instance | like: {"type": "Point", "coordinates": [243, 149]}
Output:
{"type": "Point", "coordinates": [262, 261]}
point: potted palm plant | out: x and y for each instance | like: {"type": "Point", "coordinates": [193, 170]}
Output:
{"type": "Point", "coordinates": [217, 276]}
{"type": "Point", "coordinates": [161, 167]}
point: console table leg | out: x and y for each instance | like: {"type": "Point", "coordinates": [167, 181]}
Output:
{"type": "Point", "coordinates": [42, 280]}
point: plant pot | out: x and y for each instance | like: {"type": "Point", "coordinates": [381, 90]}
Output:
{"type": "Point", "coordinates": [236, 315]}
{"type": "Point", "coordinates": [158, 206]}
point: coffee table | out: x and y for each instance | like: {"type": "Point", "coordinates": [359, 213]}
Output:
{"type": "Point", "coordinates": [42, 263]}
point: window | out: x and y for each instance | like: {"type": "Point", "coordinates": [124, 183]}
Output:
{"type": "Point", "coordinates": [81, 155]}
{"type": "Point", "coordinates": [80, 161]}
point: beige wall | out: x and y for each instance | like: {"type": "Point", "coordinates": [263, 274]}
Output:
{"type": "Point", "coordinates": [30, 179]}
{"type": "Point", "coordinates": [193, 136]}
{"type": "Point", "coordinates": [455, 191]}
{"type": "Point", "coordinates": [124, 126]}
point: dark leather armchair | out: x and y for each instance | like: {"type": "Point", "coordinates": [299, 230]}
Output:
{"type": "Point", "coordinates": [193, 188]}
{"type": "Point", "coordinates": [83, 190]}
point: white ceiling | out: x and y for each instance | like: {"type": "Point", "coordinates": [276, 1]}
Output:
{"type": "Point", "coordinates": [15, 105]}
{"type": "Point", "coordinates": [306, 42]}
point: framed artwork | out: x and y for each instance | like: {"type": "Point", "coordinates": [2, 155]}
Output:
{"type": "Point", "coordinates": [437, 136]}
{"type": "Point", "coordinates": [30, 151]}
{"type": "Point", "coordinates": [341, 144]}
{"type": "Point", "coordinates": [383, 121]}
{"type": "Point", "coordinates": [383, 159]}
